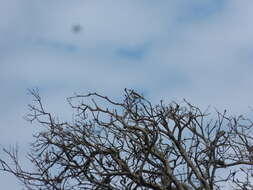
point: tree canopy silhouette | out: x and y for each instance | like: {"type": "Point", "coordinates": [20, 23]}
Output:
{"type": "Point", "coordinates": [135, 145]}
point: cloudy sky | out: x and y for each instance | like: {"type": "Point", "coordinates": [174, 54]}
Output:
{"type": "Point", "coordinates": [201, 50]}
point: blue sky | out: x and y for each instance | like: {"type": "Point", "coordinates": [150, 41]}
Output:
{"type": "Point", "coordinates": [200, 50]}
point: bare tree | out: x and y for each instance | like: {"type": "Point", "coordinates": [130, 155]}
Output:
{"type": "Point", "coordinates": [132, 144]}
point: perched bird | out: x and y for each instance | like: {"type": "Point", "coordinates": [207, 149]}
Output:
{"type": "Point", "coordinates": [136, 95]}
{"type": "Point", "coordinates": [220, 134]}
{"type": "Point", "coordinates": [106, 180]}
{"type": "Point", "coordinates": [220, 163]}
{"type": "Point", "coordinates": [250, 150]}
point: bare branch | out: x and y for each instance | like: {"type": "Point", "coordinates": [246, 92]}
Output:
{"type": "Point", "coordinates": [135, 145]}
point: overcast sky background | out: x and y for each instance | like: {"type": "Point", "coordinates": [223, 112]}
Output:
{"type": "Point", "coordinates": [201, 50]}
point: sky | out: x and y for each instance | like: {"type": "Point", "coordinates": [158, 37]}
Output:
{"type": "Point", "coordinates": [198, 50]}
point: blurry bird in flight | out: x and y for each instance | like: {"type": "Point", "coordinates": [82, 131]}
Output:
{"type": "Point", "coordinates": [76, 28]}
